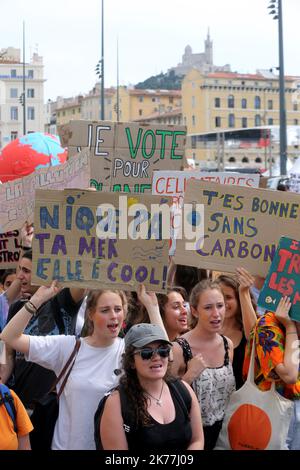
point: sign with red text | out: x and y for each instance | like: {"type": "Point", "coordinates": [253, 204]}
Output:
{"type": "Point", "coordinates": [125, 155]}
{"type": "Point", "coordinates": [173, 183]}
{"type": "Point", "coordinates": [10, 249]}
{"type": "Point", "coordinates": [85, 238]}
{"type": "Point", "coordinates": [242, 226]}
{"type": "Point", "coordinates": [283, 278]}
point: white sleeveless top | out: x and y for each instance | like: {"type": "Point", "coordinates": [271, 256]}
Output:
{"type": "Point", "coordinates": [213, 387]}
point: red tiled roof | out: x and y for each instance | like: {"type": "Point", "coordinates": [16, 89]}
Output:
{"type": "Point", "coordinates": [174, 112]}
{"type": "Point", "coordinates": [245, 76]}
{"type": "Point", "coordinates": [156, 92]}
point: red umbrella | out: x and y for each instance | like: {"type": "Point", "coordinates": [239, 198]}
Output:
{"type": "Point", "coordinates": [24, 155]}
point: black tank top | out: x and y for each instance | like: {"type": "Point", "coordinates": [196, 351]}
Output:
{"type": "Point", "coordinates": [156, 436]}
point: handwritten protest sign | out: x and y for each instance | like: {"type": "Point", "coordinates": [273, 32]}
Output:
{"type": "Point", "coordinates": [283, 278]}
{"type": "Point", "coordinates": [9, 249]}
{"type": "Point", "coordinates": [124, 155]}
{"type": "Point", "coordinates": [242, 226]}
{"type": "Point", "coordinates": [71, 245]}
{"type": "Point", "coordinates": [173, 183]}
{"type": "Point", "coordinates": [17, 197]}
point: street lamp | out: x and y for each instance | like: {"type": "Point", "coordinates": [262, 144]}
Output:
{"type": "Point", "coordinates": [100, 66]}
{"type": "Point", "coordinates": [24, 84]}
{"type": "Point", "coordinates": [276, 10]}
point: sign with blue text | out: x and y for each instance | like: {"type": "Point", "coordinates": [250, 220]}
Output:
{"type": "Point", "coordinates": [242, 226]}
{"type": "Point", "coordinates": [283, 278]}
{"type": "Point", "coordinates": [86, 238]}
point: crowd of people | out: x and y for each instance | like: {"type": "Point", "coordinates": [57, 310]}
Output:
{"type": "Point", "coordinates": [164, 365]}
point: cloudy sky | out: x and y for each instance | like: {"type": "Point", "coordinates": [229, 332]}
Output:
{"type": "Point", "coordinates": [152, 37]}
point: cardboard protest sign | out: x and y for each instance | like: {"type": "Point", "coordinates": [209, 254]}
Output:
{"type": "Point", "coordinates": [283, 278]}
{"type": "Point", "coordinates": [125, 155]}
{"type": "Point", "coordinates": [85, 238]}
{"type": "Point", "coordinates": [242, 226]}
{"type": "Point", "coordinates": [17, 197]}
{"type": "Point", "coordinates": [173, 183]}
{"type": "Point", "coordinates": [9, 249]}
{"type": "Point", "coordinates": [295, 182]}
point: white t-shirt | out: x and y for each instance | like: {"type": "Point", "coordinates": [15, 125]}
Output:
{"type": "Point", "coordinates": [91, 377]}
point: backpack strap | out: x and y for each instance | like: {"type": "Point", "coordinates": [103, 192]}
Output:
{"type": "Point", "coordinates": [7, 400]}
{"type": "Point", "coordinates": [183, 396]}
{"type": "Point", "coordinates": [128, 415]}
{"type": "Point", "coordinates": [130, 424]}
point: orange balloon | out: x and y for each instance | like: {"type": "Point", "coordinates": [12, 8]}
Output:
{"type": "Point", "coordinates": [249, 428]}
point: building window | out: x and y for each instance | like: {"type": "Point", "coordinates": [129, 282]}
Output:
{"type": "Point", "coordinates": [13, 135]}
{"type": "Point", "coordinates": [257, 120]}
{"type": "Point", "coordinates": [257, 102]}
{"type": "Point", "coordinates": [244, 103]}
{"type": "Point", "coordinates": [30, 73]}
{"type": "Point", "coordinates": [184, 120]}
{"type": "Point", "coordinates": [141, 99]}
{"type": "Point", "coordinates": [231, 159]}
{"type": "Point", "coordinates": [245, 160]}
{"type": "Point", "coordinates": [73, 111]}
{"type": "Point", "coordinates": [14, 92]}
{"type": "Point", "coordinates": [171, 99]}
{"type": "Point", "coordinates": [295, 106]}
{"type": "Point", "coordinates": [140, 112]}
{"type": "Point", "coordinates": [153, 100]}
{"type": "Point", "coordinates": [218, 121]}
{"type": "Point", "coordinates": [231, 120]}
{"type": "Point", "coordinates": [193, 120]}
{"type": "Point", "coordinates": [270, 104]}
{"type": "Point", "coordinates": [296, 122]}
{"type": "Point", "coordinates": [13, 113]}
{"type": "Point", "coordinates": [13, 73]}
{"type": "Point", "coordinates": [258, 160]}
{"type": "Point", "coordinates": [30, 113]}
{"type": "Point", "coordinates": [193, 102]}
{"type": "Point", "coordinates": [230, 101]}
{"type": "Point", "coordinates": [30, 93]}
{"type": "Point", "coordinates": [244, 122]}
{"type": "Point", "coordinates": [270, 121]}
{"type": "Point", "coordinates": [217, 102]}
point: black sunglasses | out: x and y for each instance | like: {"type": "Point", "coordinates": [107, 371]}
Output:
{"type": "Point", "coordinates": [147, 353]}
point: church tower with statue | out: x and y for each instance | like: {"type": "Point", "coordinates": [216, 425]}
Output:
{"type": "Point", "coordinates": [202, 61]}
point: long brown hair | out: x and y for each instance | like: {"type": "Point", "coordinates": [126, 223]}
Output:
{"type": "Point", "coordinates": [197, 291]}
{"type": "Point", "coordinates": [163, 298]}
{"type": "Point", "coordinates": [133, 389]}
{"type": "Point", "coordinates": [231, 281]}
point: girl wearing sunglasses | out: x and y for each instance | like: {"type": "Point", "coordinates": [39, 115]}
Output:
{"type": "Point", "coordinates": [165, 413]}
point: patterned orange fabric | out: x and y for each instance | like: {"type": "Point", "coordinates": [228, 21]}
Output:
{"type": "Point", "coordinates": [270, 342]}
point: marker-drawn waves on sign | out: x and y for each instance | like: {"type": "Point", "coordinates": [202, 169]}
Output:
{"type": "Point", "coordinates": [139, 252]}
